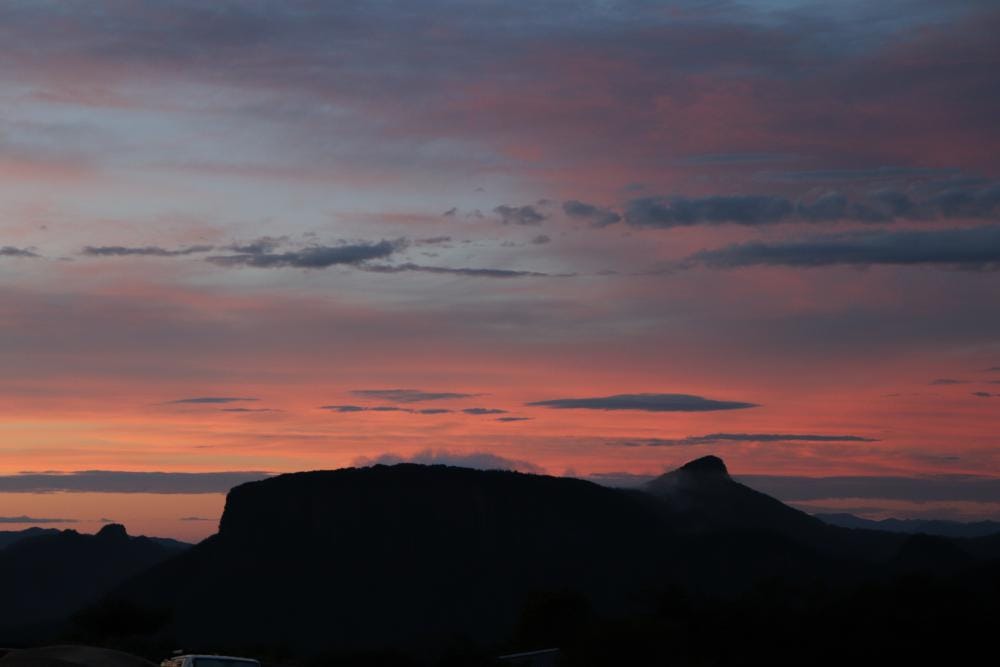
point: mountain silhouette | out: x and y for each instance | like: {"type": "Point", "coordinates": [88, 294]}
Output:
{"type": "Point", "coordinates": [704, 498]}
{"type": "Point", "coordinates": [416, 558]}
{"type": "Point", "coordinates": [9, 537]}
{"type": "Point", "coordinates": [46, 576]}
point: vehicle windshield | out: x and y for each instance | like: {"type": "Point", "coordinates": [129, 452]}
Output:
{"type": "Point", "coordinates": [224, 662]}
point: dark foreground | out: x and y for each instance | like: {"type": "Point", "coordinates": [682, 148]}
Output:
{"type": "Point", "coordinates": [417, 565]}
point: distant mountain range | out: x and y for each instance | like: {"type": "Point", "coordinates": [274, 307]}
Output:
{"type": "Point", "coordinates": [423, 559]}
{"type": "Point", "coordinates": [914, 526]}
{"type": "Point", "coordinates": [45, 574]}
{"type": "Point", "coordinates": [9, 537]}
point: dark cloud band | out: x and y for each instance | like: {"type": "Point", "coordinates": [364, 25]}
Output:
{"type": "Point", "coordinates": [143, 251]}
{"type": "Point", "coordinates": [410, 395]}
{"type": "Point", "coordinates": [735, 438]}
{"type": "Point", "coordinates": [104, 481]}
{"type": "Point", "coordinates": [971, 247]}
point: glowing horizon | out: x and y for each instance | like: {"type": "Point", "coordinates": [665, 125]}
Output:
{"type": "Point", "coordinates": [231, 235]}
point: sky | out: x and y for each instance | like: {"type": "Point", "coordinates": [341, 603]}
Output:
{"type": "Point", "coordinates": [581, 238]}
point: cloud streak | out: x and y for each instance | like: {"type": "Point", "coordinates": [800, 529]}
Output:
{"type": "Point", "coordinates": [459, 271]}
{"type": "Point", "coordinates": [211, 400]}
{"type": "Point", "coordinates": [11, 251]}
{"type": "Point", "coordinates": [644, 402]}
{"type": "Point", "coordinates": [410, 395]}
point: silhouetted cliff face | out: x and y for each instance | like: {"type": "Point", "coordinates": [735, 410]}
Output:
{"type": "Point", "coordinates": [50, 575]}
{"type": "Point", "coordinates": [402, 554]}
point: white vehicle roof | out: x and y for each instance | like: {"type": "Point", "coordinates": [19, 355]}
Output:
{"type": "Point", "coordinates": [212, 656]}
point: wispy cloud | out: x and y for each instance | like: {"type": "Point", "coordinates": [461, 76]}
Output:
{"type": "Point", "coordinates": [34, 519]}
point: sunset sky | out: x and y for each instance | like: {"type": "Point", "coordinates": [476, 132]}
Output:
{"type": "Point", "coordinates": [582, 238]}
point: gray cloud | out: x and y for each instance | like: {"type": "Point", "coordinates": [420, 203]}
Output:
{"type": "Point", "coordinates": [33, 519]}
{"type": "Point", "coordinates": [722, 438]}
{"type": "Point", "coordinates": [11, 251]}
{"type": "Point", "coordinates": [243, 410]}
{"type": "Point", "coordinates": [410, 395]}
{"type": "Point", "coordinates": [483, 411]}
{"type": "Point", "coordinates": [644, 402]}
{"type": "Point", "coordinates": [595, 216]}
{"type": "Point", "coordinates": [196, 518]}
{"type": "Point", "coordinates": [211, 400]}
{"type": "Point", "coordinates": [259, 246]}
{"type": "Point", "coordinates": [104, 481]}
{"type": "Point", "coordinates": [433, 240]}
{"type": "Point", "coordinates": [143, 251]}
{"type": "Point", "coordinates": [954, 201]}
{"type": "Point", "coordinates": [541, 239]}
{"type": "Point", "coordinates": [513, 419]}
{"type": "Point", "coordinates": [478, 460]}
{"type": "Point", "coordinates": [946, 381]}
{"type": "Point", "coordinates": [985, 394]}
{"type": "Point", "coordinates": [520, 215]}
{"type": "Point", "coordinates": [667, 212]}
{"type": "Point", "coordinates": [826, 208]}
{"type": "Point", "coordinates": [312, 257]}
{"type": "Point", "coordinates": [971, 247]}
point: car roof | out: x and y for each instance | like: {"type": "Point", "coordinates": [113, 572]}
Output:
{"type": "Point", "coordinates": [215, 657]}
